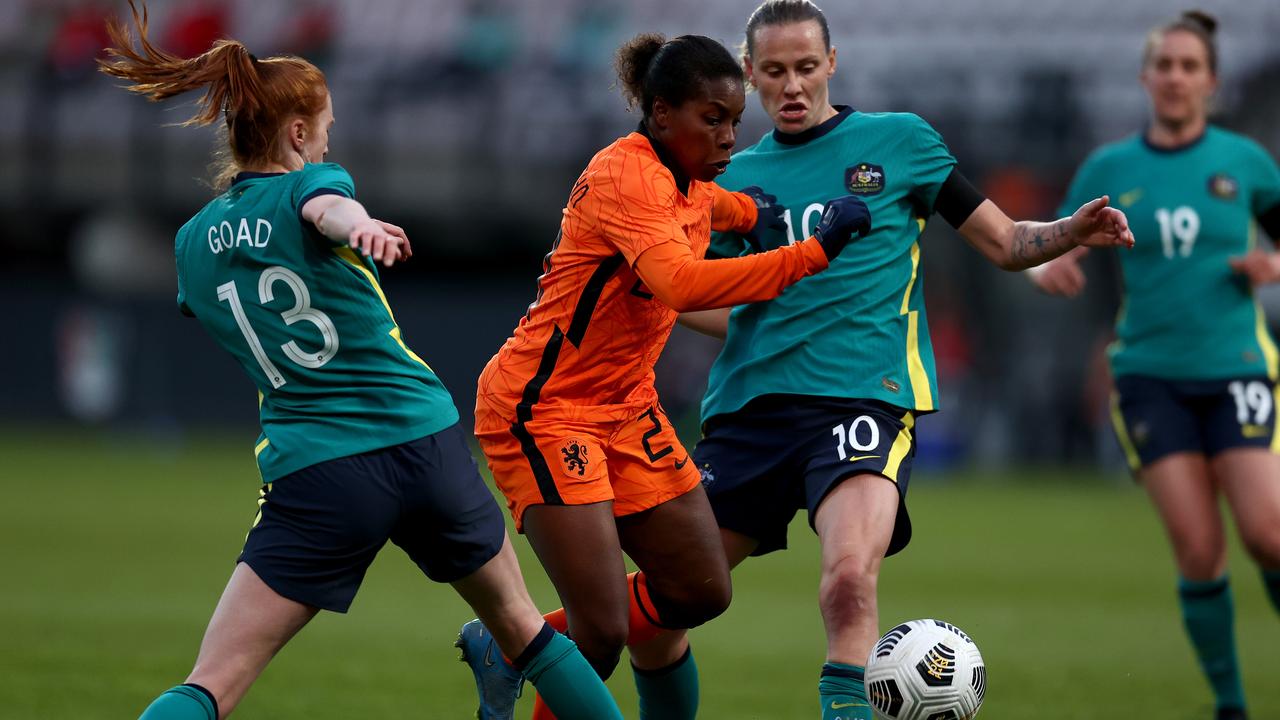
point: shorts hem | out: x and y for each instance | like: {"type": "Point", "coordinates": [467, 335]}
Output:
{"type": "Point", "coordinates": [291, 591]}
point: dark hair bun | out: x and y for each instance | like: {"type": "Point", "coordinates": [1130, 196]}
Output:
{"type": "Point", "coordinates": [1203, 19]}
{"type": "Point", "coordinates": [632, 63]}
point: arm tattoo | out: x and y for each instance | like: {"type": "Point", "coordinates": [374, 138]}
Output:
{"type": "Point", "coordinates": [1035, 242]}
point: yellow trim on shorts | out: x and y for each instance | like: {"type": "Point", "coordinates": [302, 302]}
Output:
{"type": "Point", "coordinates": [915, 364]}
{"type": "Point", "coordinates": [351, 258]}
{"type": "Point", "coordinates": [257, 450]}
{"type": "Point", "coordinates": [901, 446]}
{"type": "Point", "coordinates": [262, 500]}
{"type": "Point", "coordinates": [1122, 434]}
{"type": "Point", "coordinates": [1265, 343]}
{"type": "Point", "coordinates": [1275, 431]}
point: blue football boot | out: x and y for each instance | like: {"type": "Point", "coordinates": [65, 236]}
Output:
{"type": "Point", "coordinates": [497, 683]}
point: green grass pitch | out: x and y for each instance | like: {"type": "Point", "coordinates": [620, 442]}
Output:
{"type": "Point", "coordinates": [115, 549]}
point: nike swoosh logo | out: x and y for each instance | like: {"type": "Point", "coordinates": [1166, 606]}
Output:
{"type": "Point", "coordinates": [1131, 197]}
{"type": "Point", "coordinates": [681, 463]}
{"type": "Point", "coordinates": [840, 706]}
{"type": "Point", "coordinates": [856, 458]}
{"type": "Point", "coordinates": [488, 655]}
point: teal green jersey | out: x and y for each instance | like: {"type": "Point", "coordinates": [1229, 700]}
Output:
{"type": "Point", "coordinates": [857, 330]}
{"type": "Point", "coordinates": [1186, 315]}
{"type": "Point", "coordinates": [306, 318]}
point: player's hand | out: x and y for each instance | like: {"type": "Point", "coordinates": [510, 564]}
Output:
{"type": "Point", "coordinates": [1096, 224]}
{"type": "Point", "coordinates": [841, 219]}
{"type": "Point", "coordinates": [1260, 266]}
{"type": "Point", "coordinates": [1061, 275]}
{"type": "Point", "coordinates": [770, 230]}
{"type": "Point", "coordinates": [373, 239]}
{"type": "Point", "coordinates": [406, 250]}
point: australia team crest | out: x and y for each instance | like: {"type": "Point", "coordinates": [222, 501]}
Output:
{"type": "Point", "coordinates": [864, 179]}
{"type": "Point", "coordinates": [1223, 186]}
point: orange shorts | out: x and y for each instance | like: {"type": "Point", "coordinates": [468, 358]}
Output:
{"type": "Point", "coordinates": [637, 463]}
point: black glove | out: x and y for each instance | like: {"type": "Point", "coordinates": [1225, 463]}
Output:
{"type": "Point", "coordinates": [842, 217]}
{"type": "Point", "coordinates": [770, 230]}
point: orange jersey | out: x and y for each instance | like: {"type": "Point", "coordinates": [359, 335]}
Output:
{"type": "Point", "coordinates": [630, 250]}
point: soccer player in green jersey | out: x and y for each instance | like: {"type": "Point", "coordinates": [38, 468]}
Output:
{"type": "Point", "coordinates": [812, 402]}
{"type": "Point", "coordinates": [360, 441]}
{"type": "Point", "coordinates": [1194, 365]}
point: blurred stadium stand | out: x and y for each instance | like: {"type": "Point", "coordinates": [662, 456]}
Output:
{"type": "Point", "coordinates": [467, 120]}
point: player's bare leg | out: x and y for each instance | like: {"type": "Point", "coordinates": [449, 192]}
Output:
{"type": "Point", "coordinates": [579, 548]}
{"type": "Point", "coordinates": [854, 524]}
{"type": "Point", "coordinates": [508, 616]}
{"type": "Point", "coordinates": [683, 582]}
{"type": "Point", "coordinates": [249, 626]}
{"type": "Point", "coordinates": [670, 645]}
{"type": "Point", "coordinates": [1250, 479]}
{"type": "Point", "coordinates": [1182, 488]}
{"type": "Point", "coordinates": [500, 599]}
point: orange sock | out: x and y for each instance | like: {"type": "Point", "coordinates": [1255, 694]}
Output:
{"type": "Point", "coordinates": [641, 615]}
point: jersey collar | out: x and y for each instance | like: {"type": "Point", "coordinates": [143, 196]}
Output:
{"type": "Point", "coordinates": [247, 175]}
{"type": "Point", "coordinates": [668, 160]}
{"type": "Point", "coordinates": [815, 132]}
{"type": "Point", "coordinates": [1176, 148]}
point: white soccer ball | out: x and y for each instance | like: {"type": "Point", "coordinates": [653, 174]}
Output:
{"type": "Point", "coordinates": [926, 670]}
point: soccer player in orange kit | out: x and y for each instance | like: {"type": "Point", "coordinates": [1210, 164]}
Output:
{"type": "Point", "coordinates": [567, 413]}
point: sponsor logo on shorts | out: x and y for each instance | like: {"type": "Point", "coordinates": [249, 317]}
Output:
{"type": "Point", "coordinates": [1141, 433]}
{"type": "Point", "coordinates": [1252, 431]}
{"type": "Point", "coordinates": [708, 475]}
{"type": "Point", "coordinates": [681, 463]}
{"type": "Point", "coordinates": [574, 455]}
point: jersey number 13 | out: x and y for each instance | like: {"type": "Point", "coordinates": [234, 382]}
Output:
{"type": "Point", "coordinates": [300, 312]}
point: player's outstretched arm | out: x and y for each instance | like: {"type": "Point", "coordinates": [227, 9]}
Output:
{"type": "Point", "coordinates": [344, 220]}
{"type": "Point", "coordinates": [1020, 245]}
{"type": "Point", "coordinates": [713, 323]}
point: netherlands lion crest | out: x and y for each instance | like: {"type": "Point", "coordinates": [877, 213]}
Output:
{"type": "Point", "coordinates": [574, 455]}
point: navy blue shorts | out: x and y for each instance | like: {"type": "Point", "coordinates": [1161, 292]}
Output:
{"type": "Point", "coordinates": [781, 453]}
{"type": "Point", "coordinates": [318, 529]}
{"type": "Point", "coordinates": [1154, 417]}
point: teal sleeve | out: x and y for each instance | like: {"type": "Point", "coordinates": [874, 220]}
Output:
{"type": "Point", "coordinates": [1266, 193]}
{"type": "Point", "coordinates": [726, 245]}
{"type": "Point", "coordinates": [182, 290]}
{"type": "Point", "coordinates": [182, 299]}
{"type": "Point", "coordinates": [321, 179]}
{"type": "Point", "coordinates": [1079, 191]}
{"type": "Point", "coordinates": [931, 163]}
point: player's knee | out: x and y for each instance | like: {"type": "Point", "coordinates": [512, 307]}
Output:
{"type": "Point", "coordinates": [600, 640]}
{"type": "Point", "coordinates": [692, 604]}
{"type": "Point", "coordinates": [602, 653]}
{"type": "Point", "coordinates": [848, 589]}
{"type": "Point", "coordinates": [1200, 561]}
{"type": "Point", "coordinates": [1263, 545]}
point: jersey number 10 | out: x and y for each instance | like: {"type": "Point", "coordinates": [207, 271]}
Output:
{"type": "Point", "coordinates": [301, 311]}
